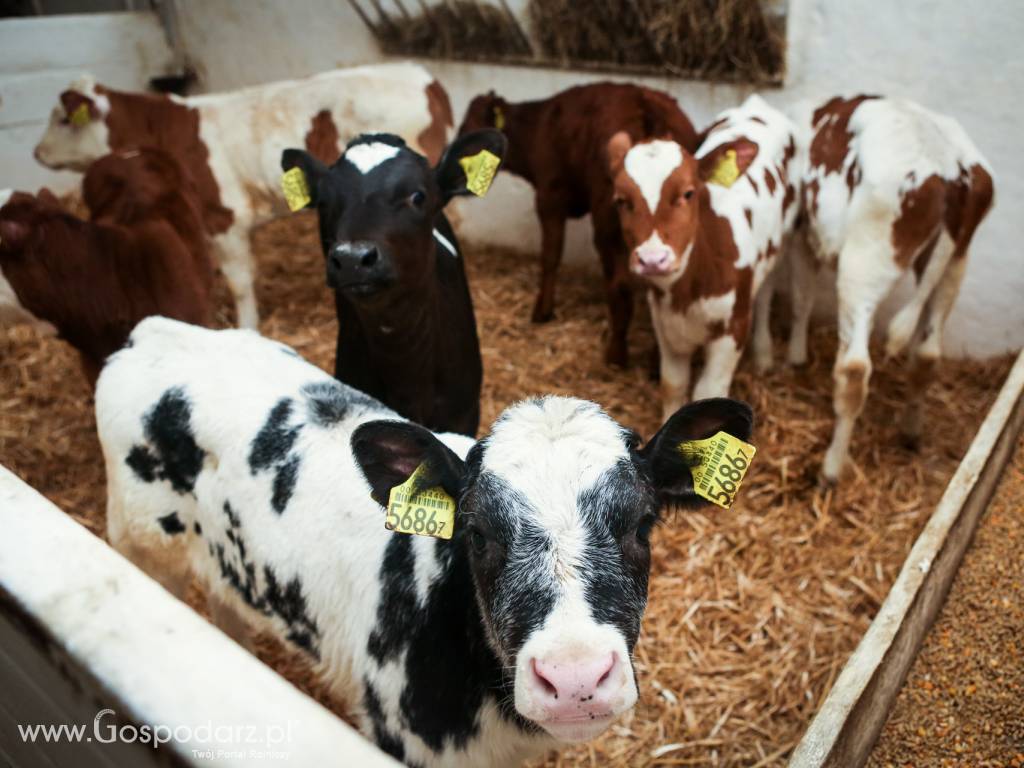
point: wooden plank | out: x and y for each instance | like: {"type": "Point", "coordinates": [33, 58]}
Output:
{"type": "Point", "coordinates": [83, 630]}
{"type": "Point", "coordinates": [844, 731]}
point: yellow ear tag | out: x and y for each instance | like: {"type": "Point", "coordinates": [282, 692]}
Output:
{"type": "Point", "coordinates": [724, 461]}
{"type": "Point", "coordinates": [727, 171]}
{"type": "Point", "coordinates": [480, 170]}
{"type": "Point", "coordinates": [80, 117]}
{"type": "Point", "coordinates": [499, 118]}
{"type": "Point", "coordinates": [296, 193]}
{"type": "Point", "coordinates": [431, 512]}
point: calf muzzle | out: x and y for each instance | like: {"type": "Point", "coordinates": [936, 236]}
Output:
{"type": "Point", "coordinates": [359, 267]}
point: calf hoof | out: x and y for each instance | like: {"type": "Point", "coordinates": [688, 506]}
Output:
{"type": "Point", "coordinates": [616, 357]}
{"type": "Point", "coordinates": [826, 481]}
{"type": "Point", "coordinates": [541, 315]}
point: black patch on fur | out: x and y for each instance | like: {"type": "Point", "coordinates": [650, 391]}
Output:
{"type": "Point", "coordinates": [446, 687]}
{"type": "Point", "coordinates": [285, 601]}
{"type": "Point", "coordinates": [329, 402]}
{"type": "Point", "coordinates": [171, 524]}
{"type": "Point", "coordinates": [197, 528]}
{"type": "Point", "coordinates": [270, 450]}
{"type": "Point", "coordinates": [387, 741]}
{"type": "Point", "coordinates": [170, 452]}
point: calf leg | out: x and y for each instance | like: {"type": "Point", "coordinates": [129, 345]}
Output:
{"type": "Point", "coordinates": [803, 278]}
{"type": "Point", "coordinates": [721, 356]}
{"type": "Point", "coordinates": [618, 287]}
{"type": "Point", "coordinates": [928, 346]}
{"type": "Point", "coordinates": [866, 275]}
{"type": "Point", "coordinates": [762, 326]}
{"type": "Point", "coordinates": [904, 323]}
{"type": "Point", "coordinates": [675, 381]}
{"type": "Point", "coordinates": [552, 232]}
{"type": "Point", "coordinates": [235, 259]}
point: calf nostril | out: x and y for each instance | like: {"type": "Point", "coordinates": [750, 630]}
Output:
{"type": "Point", "coordinates": [369, 258]}
{"type": "Point", "coordinates": [608, 671]}
{"type": "Point", "coordinates": [546, 684]}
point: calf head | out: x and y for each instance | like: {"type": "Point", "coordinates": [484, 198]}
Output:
{"type": "Point", "coordinates": [659, 191]}
{"type": "Point", "coordinates": [555, 512]}
{"type": "Point", "coordinates": [77, 132]}
{"type": "Point", "coordinates": [128, 184]}
{"type": "Point", "coordinates": [379, 206]}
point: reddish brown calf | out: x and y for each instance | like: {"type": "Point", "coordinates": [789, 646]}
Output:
{"type": "Point", "coordinates": [558, 145]}
{"type": "Point", "coordinates": [144, 253]}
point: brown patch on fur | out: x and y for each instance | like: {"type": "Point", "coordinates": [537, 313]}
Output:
{"type": "Point", "coordinates": [853, 176]}
{"type": "Point", "coordinates": [769, 181]}
{"type": "Point", "coordinates": [852, 387]}
{"type": "Point", "coordinates": [322, 140]}
{"type": "Point", "coordinates": [756, 119]}
{"type": "Point", "coordinates": [716, 329]}
{"type": "Point", "coordinates": [141, 119]}
{"type": "Point", "coordinates": [712, 267]}
{"type": "Point", "coordinates": [832, 135]}
{"type": "Point", "coordinates": [919, 219]}
{"type": "Point", "coordinates": [810, 195]}
{"type": "Point", "coordinates": [750, 216]}
{"type": "Point", "coordinates": [968, 200]}
{"type": "Point", "coordinates": [434, 137]}
{"type": "Point", "coordinates": [739, 324]}
{"type": "Point", "coordinates": [789, 198]}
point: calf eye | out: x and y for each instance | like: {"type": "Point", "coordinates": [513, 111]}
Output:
{"type": "Point", "coordinates": [623, 203]}
{"type": "Point", "coordinates": [684, 197]}
{"type": "Point", "coordinates": [417, 198]}
{"type": "Point", "coordinates": [478, 540]}
{"type": "Point", "coordinates": [644, 527]}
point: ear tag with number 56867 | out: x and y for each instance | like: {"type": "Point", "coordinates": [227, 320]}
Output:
{"type": "Point", "coordinates": [431, 512]}
{"type": "Point", "coordinates": [724, 461]}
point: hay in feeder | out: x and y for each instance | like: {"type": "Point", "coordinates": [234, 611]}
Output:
{"type": "Point", "coordinates": [730, 40]}
{"type": "Point", "coordinates": [453, 29]}
{"type": "Point", "coordinates": [752, 612]}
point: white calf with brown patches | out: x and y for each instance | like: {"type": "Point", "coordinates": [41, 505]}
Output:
{"type": "Point", "coordinates": [889, 186]}
{"type": "Point", "coordinates": [231, 143]}
{"type": "Point", "coordinates": [704, 240]}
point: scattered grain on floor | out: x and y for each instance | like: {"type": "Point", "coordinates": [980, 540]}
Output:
{"type": "Point", "coordinates": [963, 701]}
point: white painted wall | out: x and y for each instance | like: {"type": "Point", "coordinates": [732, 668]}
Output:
{"type": "Point", "coordinates": [40, 56]}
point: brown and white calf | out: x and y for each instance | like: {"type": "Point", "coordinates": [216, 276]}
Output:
{"type": "Point", "coordinates": [704, 233]}
{"type": "Point", "coordinates": [889, 187]}
{"type": "Point", "coordinates": [558, 144]}
{"type": "Point", "coordinates": [142, 254]}
{"type": "Point", "coordinates": [231, 142]}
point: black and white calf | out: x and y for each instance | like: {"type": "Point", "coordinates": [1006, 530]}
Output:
{"type": "Point", "coordinates": [406, 329]}
{"type": "Point", "coordinates": [231, 459]}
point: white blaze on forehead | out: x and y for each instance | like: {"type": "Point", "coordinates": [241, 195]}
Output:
{"type": "Point", "coordinates": [650, 164]}
{"type": "Point", "coordinates": [366, 157]}
{"type": "Point", "coordinates": [550, 450]}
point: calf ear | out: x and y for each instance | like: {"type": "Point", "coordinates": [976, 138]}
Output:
{"type": "Point", "coordinates": [618, 146]}
{"type": "Point", "coordinates": [73, 101]}
{"type": "Point", "coordinates": [13, 235]}
{"type": "Point", "coordinates": [451, 172]}
{"type": "Point", "coordinates": [667, 467]}
{"type": "Point", "coordinates": [311, 168]}
{"type": "Point", "coordinates": [388, 452]}
{"type": "Point", "coordinates": [719, 165]}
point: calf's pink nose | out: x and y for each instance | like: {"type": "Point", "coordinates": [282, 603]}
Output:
{"type": "Point", "coordinates": [653, 260]}
{"type": "Point", "coordinates": [577, 686]}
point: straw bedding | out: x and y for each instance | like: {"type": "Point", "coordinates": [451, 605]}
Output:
{"type": "Point", "coordinates": [752, 611]}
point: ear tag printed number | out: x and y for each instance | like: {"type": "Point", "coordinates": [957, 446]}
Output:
{"type": "Point", "coordinates": [724, 460]}
{"type": "Point", "coordinates": [80, 117]}
{"type": "Point", "coordinates": [296, 192]}
{"type": "Point", "coordinates": [480, 170]}
{"type": "Point", "coordinates": [727, 170]}
{"type": "Point", "coordinates": [431, 512]}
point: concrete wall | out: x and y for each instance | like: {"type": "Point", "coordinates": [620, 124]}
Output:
{"type": "Point", "coordinates": [40, 56]}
